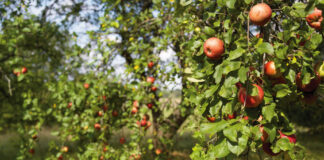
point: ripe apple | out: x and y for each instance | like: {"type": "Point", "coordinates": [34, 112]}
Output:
{"type": "Point", "coordinates": [122, 140]}
{"type": "Point", "coordinates": [158, 151]}
{"type": "Point", "coordinates": [134, 110]}
{"type": "Point", "coordinates": [135, 156]}
{"type": "Point", "coordinates": [65, 149]}
{"type": "Point", "coordinates": [148, 125]}
{"type": "Point", "coordinates": [270, 70]}
{"type": "Point", "coordinates": [105, 108]}
{"type": "Point", "coordinates": [230, 116]}
{"type": "Point", "coordinates": [149, 105]}
{"type": "Point", "coordinates": [259, 35]}
{"type": "Point", "coordinates": [251, 101]}
{"type": "Point", "coordinates": [292, 138]}
{"type": "Point", "coordinates": [150, 65]}
{"type": "Point", "coordinates": [260, 14]}
{"type": "Point", "coordinates": [60, 157]}
{"type": "Point", "coordinates": [86, 85]}
{"type": "Point", "coordinates": [97, 126]}
{"type": "Point", "coordinates": [246, 118]}
{"type": "Point", "coordinates": [16, 72]}
{"type": "Point", "coordinates": [267, 149]}
{"type": "Point", "coordinates": [146, 117]}
{"type": "Point", "coordinates": [135, 104]}
{"type": "Point", "coordinates": [104, 98]}
{"type": "Point", "coordinates": [102, 157]}
{"type": "Point", "coordinates": [311, 86]}
{"type": "Point", "coordinates": [99, 113]}
{"type": "Point", "coordinates": [211, 119]}
{"type": "Point", "coordinates": [153, 88]}
{"type": "Point", "coordinates": [315, 19]}
{"type": "Point", "coordinates": [264, 137]}
{"type": "Point", "coordinates": [32, 151]}
{"type": "Point", "coordinates": [115, 113]}
{"type": "Point", "coordinates": [24, 70]}
{"type": "Point", "coordinates": [214, 48]}
{"type": "Point", "coordinates": [309, 98]}
{"type": "Point", "coordinates": [69, 105]}
{"type": "Point", "coordinates": [150, 80]}
{"type": "Point", "coordinates": [143, 123]}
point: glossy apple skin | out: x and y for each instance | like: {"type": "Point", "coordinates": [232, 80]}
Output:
{"type": "Point", "coordinates": [260, 14]}
{"type": "Point", "coordinates": [134, 110]}
{"type": "Point", "coordinates": [150, 79]}
{"type": "Point", "coordinates": [99, 113]}
{"type": "Point", "coordinates": [251, 101]}
{"type": "Point", "coordinates": [267, 149]}
{"type": "Point", "coordinates": [150, 65]}
{"type": "Point", "coordinates": [214, 48]}
{"type": "Point", "coordinates": [150, 105]}
{"type": "Point", "coordinates": [264, 137]}
{"type": "Point", "coordinates": [230, 116]}
{"type": "Point", "coordinates": [86, 85]}
{"type": "Point", "coordinates": [153, 88]}
{"type": "Point", "coordinates": [148, 125]}
{"type": "Point", "coordinates": [24, 70]}
{"type": "Point", "coordinates": [211, 119]}
{"type": "Point", "coordinates": [158, 151]}
{"type": "Point", "coordinates": [122, 140]}
{"type": "Point", "coordinates": [311, 86]}
{"type": "Point", "coordinates": [135, 104]}
{"type": "Point", "coordinates": [270, 70]}
{"type": "Point", "coordinates": [315, 19]}
{"type": "Point", "coordinates": [292, 138]}
{"type": "Point", "coordinates": [143, 123]}
{"type": "Point", "coordinates": [69, 105]}
{"type": "Point", "coordinates": [97, 126]}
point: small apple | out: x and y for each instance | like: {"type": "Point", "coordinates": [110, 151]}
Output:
{"type": "Point", "coordinates": [135, 104]}
{"type": "Point", "coordinates": [24, 70]}
{"type": "Point", "coordinates": [260, 14]}
{"type": "Point", "coordinates": [60, 157]}
{"type": "Point", "coordinates": [104, 98]}
{"type": "Point", "coordinates": [264, 137]}
{"type": "Point", "coordinates": [150, 65]}
{"type": "Point", "coordinates": [197, 29]}
{"type": "Point", "coordinates": [251, 101]}
{"type": "Point", "coordinates": [214, 48]}
{"type": "Point", "coordinates": [115, 113]}
{"type": "Point", "coordinates": [311, 86]}
{"type": "Point", "coordinates": [86, 85]}
{"type": "Point", "coordinates": [158, 151]}
{"type": "Point", "coordinates": [315, 19]}
{"type": "Point", "coordinates": [267, 149]}
{"type": "Point", "coordinates": [65, 149]}
{"type": "Point", "coordinates": [102, 157]}
{"type": "Point", "coordinates": [259, 35]}
{"type": "Point", "coordinates": [292, 138]}
{"type": "Point", "coordinates": [246, 118]}
{"type": "Point", "coordinates": [149, 105]}
{"type": "Point", "coordinates": [230, 116]}
{"type": "Point", "coordinates": [135, 156]}
{"type": "Point", "coordinates": [320, 69]}
{"type": "Point", "coordinates": [143, 123]}
{"type": "Point", "coordinates": [148, 125]}
{"type": "Point", "coordinates": [69, 105]}
{"type": "Point", "coordinates": [150, 80]}
{"type": "Point", "coordinates": [97, 126]}
{"type": "Point", "coordinates": [134, 110]}
{"type": "Point", "coordinates": [153, 88]}
{"type": "Point", "coordinates": [32, 151]}
{"type": "Point", "coordinates": [122, 140]}
{"type": "Point", "coordinates": [99, 113]}
{"type": "Point", "coordinates": [16, 72]}
{"type": "Point", "coordinates": [211, 119]}
{"type": "Point", "coordinates": [270, 70]}
{"type": "Point", "coordinates": [105, 108]}
{"type": "Point", "coordinates": [34, 137]}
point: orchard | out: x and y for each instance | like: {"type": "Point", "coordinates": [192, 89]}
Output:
{"type": "Point", "coordinates": [161, 79]}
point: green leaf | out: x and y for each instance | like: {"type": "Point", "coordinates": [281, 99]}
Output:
{"type": "Point", "coordinates": [231, 133]}
{"type": "Point", "coordinates": [218, 74]}
{"type": "Point", "coordinates": [220, 150]}
{"type": "Point", "coordinates": [242, 73]}
{"type": "Point", "coordinates": [230, 4]}
{"type": "Point", "coordinates": [282, 90]}
{"type": "Point", "coordinates": [282, 52]}
{"type": "Point", "coordinates": [27, 30]}
{"type": "Point", "coordinates": [236, 53]}
{"type": "Point", "coordinates": [191, 79]}
{"type": "Point", "coordinates": [231, 66]}
{"type": "Point", "coordinates": [209, 31]}
{"type": "Point", "coordinates": [247, 1]}
{"type": "Point", "coordinates": [212, 128]}
{"type": "Point", "coordinates": [185, 2]}
{"type": "Point", "coordinates": [282, 144]}
{"type": "Point", "coordinates": [265, 47]}
{"type": "Point", "coordinates": [269, 111]}
{"type": "Point", "coordinates": [211, 90]}
{"type": "Point", "coordinates": [291, 75]}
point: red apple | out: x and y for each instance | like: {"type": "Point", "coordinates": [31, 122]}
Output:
{"type": "Point", "coordinates": [230, 116]}
{"type": "Point", "coordinates": [97, 126]}
{"type": "Point", "coordinates": [270, 70]}
{"type": "Point", "coordinates": [260, 14]}
{"type": "Point", "coordinates": [251, 101]}
{"type": "Point", "coordinates": [211, 119]}
{"type": "Point", "coordinates": [31, 151]}
{"type": "Point", "coordinates": [105, 108]}
{"type": "Point", "coordinates": [135, 104]}
{"type": "Point", "coordinates": [135, 156]}
{"type": "Point", "coordinates": [267, 149]}
{"type": "Point", "coordinates": [24, 70]}
{"type": "Point", "coordinates": [149, 105]}
{"type": "Point", "coordinates": [311, 86]}
{"type": "Point", "coordinates": [69, 105]}
{"type": "Point", "coordinates": [158, 151]}
{"type": "Point", "coordinates": [16, 72]}
{"type": "Point", "coordinates": [102, 157]}
{"type": "Point", "coordinates": [115, 113]}
{"type": "Point", "coordinates": [292, 138]}
{"type": "Point", "coordinates": [105, 149]}
{"type": "Point", "coordinates": [246, 118]}
{"type": "Point", "coordinates": [122, 140]}
{"type": "Point", "coordinates": [104, 98]}
{"type": "Point", "coordinates": [264, 137]}
{"type": "Point", "coordinates": [86, 85]}
{"type": "Point", "coordinates": [99, 113]}
{"type": "Point", "coordinates": [214, 48]}
{"type": "Point", "coordinates": [315, 19]}
{"type": "Point", "coordinates": [259, 35]}
{"type": "Point", "coordinates": [134, 110]}
{"type": "Point", "coordinates": [143, 123]}
{"type": "Point", "coordinates": [60, 157]}
{"type": "Point", "coordinates": [150, 65]}
{"type": "Point", "coordinates": [153, 88]}
{"type": "Point", "coordinates": [148, 125]}
{"type": "Point", "coordinates": [146, 117]}
{"type": "Point", "coordinates": [150, 79]}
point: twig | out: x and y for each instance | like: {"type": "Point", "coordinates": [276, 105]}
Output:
{"type": "Point", "coordinates": [9, 85]}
